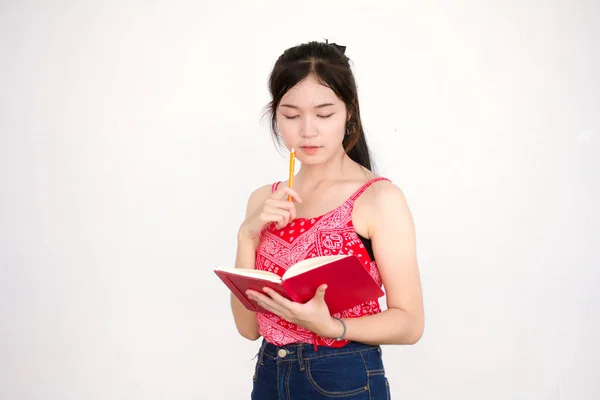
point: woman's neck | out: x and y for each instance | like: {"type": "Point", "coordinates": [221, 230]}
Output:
{"type": "Point", "coordinates": [335, 169]}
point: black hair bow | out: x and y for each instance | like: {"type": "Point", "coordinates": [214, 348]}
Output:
{"type": "Point", "coordinates": [340, 48]}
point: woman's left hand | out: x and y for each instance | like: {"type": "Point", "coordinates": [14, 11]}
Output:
{"type": "Point", "coordinates": [313, 315]}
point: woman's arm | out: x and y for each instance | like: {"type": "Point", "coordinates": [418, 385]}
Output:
{"type": "Point", "coordinates": [245, 320]}
{"type": "Point", "coordinates": [392, 233]}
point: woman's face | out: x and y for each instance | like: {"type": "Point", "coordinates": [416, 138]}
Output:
{"type": "Point", "coordinates": [312, 120]}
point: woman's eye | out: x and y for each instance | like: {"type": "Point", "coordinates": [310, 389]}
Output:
{"type": "Point", "coordinates": [291, 116]}
{"type": "Point", "coordinates": [325, 116]}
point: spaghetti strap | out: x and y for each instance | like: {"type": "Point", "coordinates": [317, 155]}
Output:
{"type": "Point", "coordinates": [364, 187]}
{"type": "Point", "coordinates": [354, 196]}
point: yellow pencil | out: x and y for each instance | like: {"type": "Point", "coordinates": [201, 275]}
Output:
{"type": "Point", "coordinates": [292, 170]}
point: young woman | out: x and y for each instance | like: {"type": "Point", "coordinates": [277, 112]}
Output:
{"type": "Point", "coordinates": [339, 207]}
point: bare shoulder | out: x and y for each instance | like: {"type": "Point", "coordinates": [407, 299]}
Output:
{"type": "Point", "coordinates": [390, 207]}
{"type": "Point", "coordinates": [389, 201]}
{"type": "Point", "coordinates": [388, 195]}
{"type": "Point", "coordinates": [382, 203]}
{"type": "Point", "coordinates": [384, 194]}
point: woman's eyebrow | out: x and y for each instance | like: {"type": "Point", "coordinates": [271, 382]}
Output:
{"type": "Point", "coordinates": [317, 106]}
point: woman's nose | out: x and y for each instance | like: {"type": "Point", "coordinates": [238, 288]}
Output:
{"type": "Point", "coordinates": [309, 128]}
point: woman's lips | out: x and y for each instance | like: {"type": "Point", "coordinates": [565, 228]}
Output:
{"type": "Point", "coordinates": [310, 150]}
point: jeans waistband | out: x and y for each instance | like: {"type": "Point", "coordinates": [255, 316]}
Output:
{"type": "Point", "coordinates": [299, 351]}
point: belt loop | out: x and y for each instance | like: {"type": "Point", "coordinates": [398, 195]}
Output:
{"type": "Point", "coordinates": [261, 352]}
{"type": "Point", "coordinates": [300, 358]}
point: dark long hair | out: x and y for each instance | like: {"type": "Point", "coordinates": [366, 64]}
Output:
{"type": "Point", "coordinates": [328, 63]}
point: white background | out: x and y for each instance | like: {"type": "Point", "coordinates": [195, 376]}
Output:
{"type": "Point", "coordinates": [131, 137]}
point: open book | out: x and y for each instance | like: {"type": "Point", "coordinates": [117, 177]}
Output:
{"type": "Point", "coordinates": [348, 282]}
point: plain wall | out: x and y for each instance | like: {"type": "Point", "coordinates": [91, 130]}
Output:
{"type": "Point", "coordinates": [131, 136]}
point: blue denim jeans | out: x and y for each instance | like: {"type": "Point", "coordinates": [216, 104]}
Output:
{"type": "Point", "coordinates": [298, 372]}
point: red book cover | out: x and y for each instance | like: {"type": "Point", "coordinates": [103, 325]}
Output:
{"type": "Point", "coordinates": [348, 282]}
{"type": "Point", "coordinates": [238, 284]}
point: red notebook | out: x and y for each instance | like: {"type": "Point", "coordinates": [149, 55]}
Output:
{"type": "Point", "coordinates": [348, 282]}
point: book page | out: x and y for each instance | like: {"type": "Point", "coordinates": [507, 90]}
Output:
{"type": "Point", "coordinates": [310, 264]}
{"type": "Point", "coordinates": [253, 273]}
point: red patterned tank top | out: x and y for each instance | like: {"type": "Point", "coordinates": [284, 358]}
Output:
{"type": "Point", "coordinates": [329, 234]}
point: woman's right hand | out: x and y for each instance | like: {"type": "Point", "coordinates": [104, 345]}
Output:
{"type": "Point", "coordinates": [274, 209]}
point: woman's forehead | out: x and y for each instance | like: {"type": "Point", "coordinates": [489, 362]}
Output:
{"type": "Point", "coordinates": [309, 93]}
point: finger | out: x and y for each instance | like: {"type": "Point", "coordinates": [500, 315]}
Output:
{"type": "Point", "coordinates": [320, 293]}
{"type": "Point", "coordinates": [279, 299]}
{"type": "Point", "coordinates": [269, 309]}
{"type": "Point", "coordinates": [293, 193]}
{"type": "Point", "coordinates": [282, 216]}
{"type": "Point", "coordinates": [279, 193]}
{"type": "Point", "coordinates": [285, 205]}
{"type": "Point", "coordinates": [282, 221]}
{"type": "Point", "coordinates": [266, 302]}
{"type": "Point", "coordinates": [272, 216]}
{"type": "Point", "coordinates": [283, 191]}
{"type": "Point", "coordinates": [278, 211]}
{"type": "Point", "coordinates": [282, 205]}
